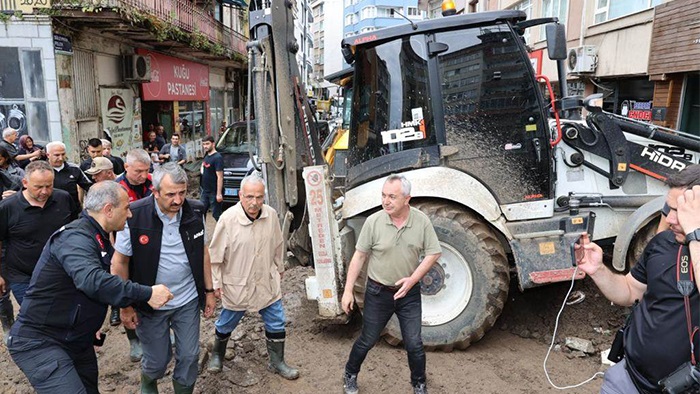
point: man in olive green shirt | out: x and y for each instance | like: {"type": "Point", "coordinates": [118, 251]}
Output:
{"type": "Point", "coordinates": [393, 239]}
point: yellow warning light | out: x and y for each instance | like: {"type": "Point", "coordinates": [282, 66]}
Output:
{"type": "Point", "coordinates": [448, 8]}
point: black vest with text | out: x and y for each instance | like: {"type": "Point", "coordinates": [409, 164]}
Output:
{"type": "Point", "coordinates": [146, 231]}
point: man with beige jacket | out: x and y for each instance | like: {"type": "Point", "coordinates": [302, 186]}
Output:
{"type": "Point", "coordinates": [247, 262]}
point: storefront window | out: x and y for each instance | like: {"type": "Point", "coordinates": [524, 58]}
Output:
{"type": "Point", "coordinates": [631, 97]}
{"type": "Point", "coordinates": [22, 93]}
{"type": "Point", "coordinates": [690, 108]}
{"type": "Point", "coordinates": [192, 119]}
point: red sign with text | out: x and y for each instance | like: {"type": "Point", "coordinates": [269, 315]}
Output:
{"type": "Point", "coordinates": [174, 79]}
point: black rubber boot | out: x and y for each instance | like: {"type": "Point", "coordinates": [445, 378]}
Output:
{"type": "Point", "coordinates": [135, 352]}
{"type": "Point", "coordinates": [420, 388]}
{"type": "Point", "coordinates": [275, 349]}
{"type": "Point", "coordinates": [179, 388]}
{"type": "Point", "coordinates": [148, 385]}
{"type": "Point", "coordinates": [218, 351]}
{"type": "Point", "coordinates": [7, 318]}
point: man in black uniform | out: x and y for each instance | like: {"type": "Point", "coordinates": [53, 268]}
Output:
{"type": "Point", "coordinates": [66, 303]}
{"type": "Point", "coordinates": [68, 176]}
{"type": "Point", "coordinates": [658, 338]}
{"type": "Point", "coordinates": [27, 220]}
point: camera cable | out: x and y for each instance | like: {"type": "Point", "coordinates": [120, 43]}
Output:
{"type": "Point", "coordinates": [554, 337]}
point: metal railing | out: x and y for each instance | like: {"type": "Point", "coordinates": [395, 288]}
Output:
{"type": "Point", "coordinates": [183, 14]}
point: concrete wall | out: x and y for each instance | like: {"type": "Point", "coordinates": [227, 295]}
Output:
{"type": "Point", "coordinates": [106, 66]}
{"type": "Point", "coordinates": [623, 44]}
{"type": "Point", "coordinates": [35, 32]}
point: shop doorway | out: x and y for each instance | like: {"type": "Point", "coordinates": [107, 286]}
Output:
{"type": "Point", "coordinates": [631, 97]}
{"type": "Point", "coordinates": [158, 113]}
{"type": "Point", "coordinates": [690, 107]}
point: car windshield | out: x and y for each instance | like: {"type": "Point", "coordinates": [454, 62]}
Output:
{"type": "Point", "coordinates": [235, 139]}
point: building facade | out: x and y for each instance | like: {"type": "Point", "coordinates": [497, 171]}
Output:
{"type": "Point", "coordinates": [362, 16]}
{"type": "Point", "coordinates": [303, 25]}
{"type": "Point", "coordinates": [327, 58]}
{"type": "Point", "coordinates": [112, 70]}
{"type": "Point", "coordinates": [29, 100]}
{"type": "Point", "coordinates": [612, 51]}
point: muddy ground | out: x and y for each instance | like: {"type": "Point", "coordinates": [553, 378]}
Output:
{"type": "Point", "coordinates": [507, 360]}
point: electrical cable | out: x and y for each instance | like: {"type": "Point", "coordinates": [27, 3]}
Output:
{"type": "Point", "coordinates": [554, 337]}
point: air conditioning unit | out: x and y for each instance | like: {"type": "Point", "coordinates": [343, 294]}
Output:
{"type": "Point", "coordinates": [136, 68]}
{"type": "Point", "coordinates": [583, 59]}
{"type": "Point", "coordinates": [231, 75]}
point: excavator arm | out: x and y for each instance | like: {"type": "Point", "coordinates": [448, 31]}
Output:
{"type": "Point", "coordinates": [286, 126]}
{"type": "Point", "coordinates": [605, 137]}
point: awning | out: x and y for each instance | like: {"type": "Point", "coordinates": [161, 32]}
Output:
{"type": "Point", "coordinates": [235, 3]}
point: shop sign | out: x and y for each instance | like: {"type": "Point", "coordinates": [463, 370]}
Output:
{"type": "Point", "coordinates": [119, 109]}
{"type": "Point", "coordinates": [25, 6]}
{"type": "Point", "coordinates": [174, 79]}
{"type": "Point", "coordinates": [639, 110]}
{"type": "Point", "coordinates": [62, 44]}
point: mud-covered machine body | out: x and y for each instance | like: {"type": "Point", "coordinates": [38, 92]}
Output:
{"type": "Point", "coordinates": [453, 104]}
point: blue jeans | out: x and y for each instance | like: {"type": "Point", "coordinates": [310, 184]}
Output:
{"type": "Point", "coordinates": [19, 289]}
{"type": "Point", "coordinates": [208, 198]}
{"type": "Point", "coordinates": [154, 333]}
{"type": "Point", "coordinates": [379, 307]}
{"type": "Point", "coordinates": [51, 368]}
{"type": "Point", "coordinates": [272, 315]}
{"type": "Point", "coordinates": [617, 380]}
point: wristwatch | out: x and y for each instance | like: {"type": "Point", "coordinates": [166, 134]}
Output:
{"type": "Point", "coordinates": [693, 236]}
{"type": "Point", "coordinates": [208, 290]}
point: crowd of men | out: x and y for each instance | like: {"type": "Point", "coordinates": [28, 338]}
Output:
{"type": "Point", "coordinates": [68, 234]}
{"type": "Point", "coordinates": [77, 239]}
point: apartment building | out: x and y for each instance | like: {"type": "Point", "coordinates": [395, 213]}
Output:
{"type": "Point", "coordinates": [362, 16]}
{"type": "Point", "coordinates": [327, 33]}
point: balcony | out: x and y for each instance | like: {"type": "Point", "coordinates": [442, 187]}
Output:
{"type": "Point", "coordinates": [176, 26]}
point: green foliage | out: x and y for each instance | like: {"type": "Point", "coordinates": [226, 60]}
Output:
{"type": "Point", "coordinates": [200, 41]}
{"type": "Point", "coordinates": [7, 17]}
{"type": "Point", "coordinates": [48, 11]}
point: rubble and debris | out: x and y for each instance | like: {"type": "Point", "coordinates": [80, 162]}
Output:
{"type": "Point", "coordinates": [579, 344]}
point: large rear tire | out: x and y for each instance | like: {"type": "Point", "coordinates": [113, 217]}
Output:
{"type": "Point", "coordinates": [464, 293]}
{"type": "Point", "coordinates": [640, 241]}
